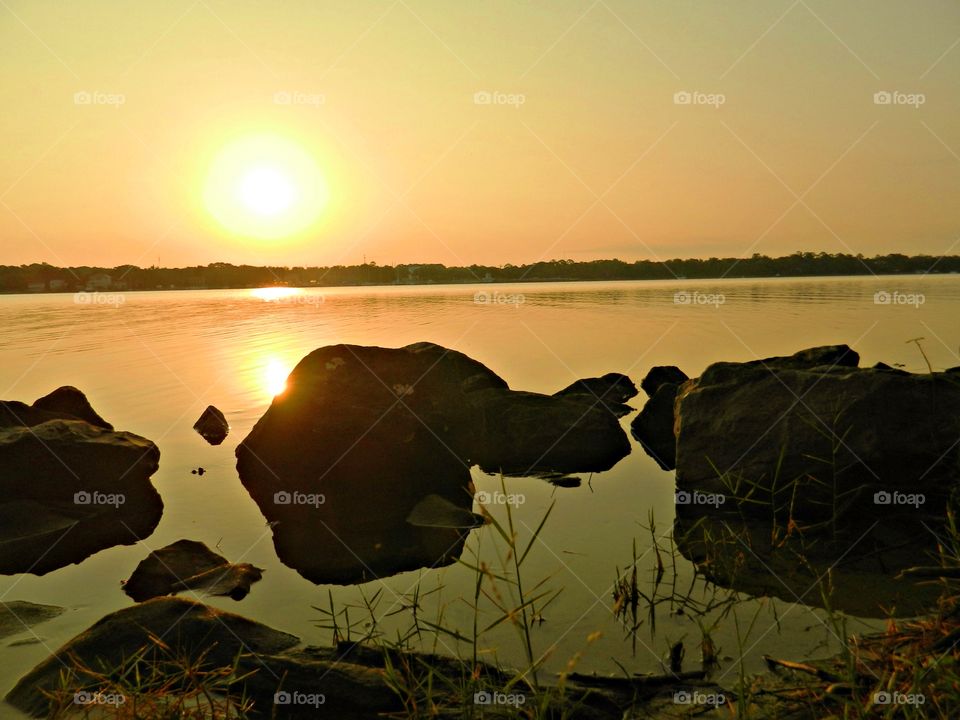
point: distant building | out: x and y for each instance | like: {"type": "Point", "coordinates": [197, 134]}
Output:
{"type": "Point", "coordinates": [57, 285]}
{"type": "Point", "coordinates": [37, 287]}
{"type": "Point", "coordinates": [99, 281]}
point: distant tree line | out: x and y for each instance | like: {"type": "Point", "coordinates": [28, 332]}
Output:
{"type": "Point", "coordinates": [41, 277]}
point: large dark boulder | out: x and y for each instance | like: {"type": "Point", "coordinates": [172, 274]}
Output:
{"type": "Point", "coordinates": [362, 435]}
{"type": "Point", "coordinates": [70, 487]}
{"type": "Point", "coordinates": [813, 437]}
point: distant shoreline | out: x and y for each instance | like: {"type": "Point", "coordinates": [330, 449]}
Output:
{"type": "Point", "coordinates": [41, 278]}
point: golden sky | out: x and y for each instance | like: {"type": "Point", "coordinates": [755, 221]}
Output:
{"type": "Point", "coordinates": [463, 132]}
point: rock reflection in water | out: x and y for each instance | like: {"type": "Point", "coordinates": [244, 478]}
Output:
{"type": "Point", "coordinates": [854, 571]}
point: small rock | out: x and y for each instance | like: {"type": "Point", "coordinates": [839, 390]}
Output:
{"type": "Point", "coordinates": [212, 426]}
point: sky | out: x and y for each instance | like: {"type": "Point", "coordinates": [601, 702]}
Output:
{"type": "Point", "coordinates": [309, 132]}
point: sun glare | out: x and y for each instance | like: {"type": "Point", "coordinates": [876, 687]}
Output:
{"type": "Point", "coordinates": [275, 376]}
{"type": "Point", "coordinates": [265, 186]}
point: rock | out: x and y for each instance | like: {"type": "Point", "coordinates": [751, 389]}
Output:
{"type": "Point", "coordinates": [660, 375]}
{"type": "Point", "coordinates": [188, 628]}
{"type": "Point", "coordinates": [363, 434]}
{"type": "Point", "coordinates": [284, 681]}
{"type": "Point", "coordinates": [565, 481]}
{"type": "Point", "coordinates": [524, 433]}
{"type": "Point", "coordinates": [68, 487]}
{"type": "Point", "coordinates": [18, 616]}
{"type": "Point", "coordinates": [653, 426]}
{"type": "Point", "coordinates": [610, 391]}
{"type": "Point", "coordinates": [212, 426]}
{"type": "Point", "coordinates": [189, 565]}
{"type": "Point", "coordinates": [68, 401]}
{"type": "Point", "coordinates": [817, 442]}
{"type": "Point", "coordinates": [435, 511]}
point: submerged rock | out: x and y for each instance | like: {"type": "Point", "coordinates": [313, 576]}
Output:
{"type": "Point", "coordinates": [18, 616]}
{"type": "Point", "coordinates": [363, 434]}
{"type": "Point", "coordinates": [435, 511]}
{"type": "Point", "coordinates": [189, 565]}
{"type": "Point", "coordinates": [212, 426]}
{"type": "Point", "coordinates": [70, 487]}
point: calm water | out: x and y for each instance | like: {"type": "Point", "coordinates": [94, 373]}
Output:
{"type": "Point", "coordinates": [151, 363]}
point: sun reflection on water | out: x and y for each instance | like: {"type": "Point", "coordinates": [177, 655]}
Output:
{"type": "Point", "coordinates": [273, 294]}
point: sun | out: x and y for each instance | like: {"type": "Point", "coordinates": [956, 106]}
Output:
{"type": "Point", "coordinates": [265, 186]}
